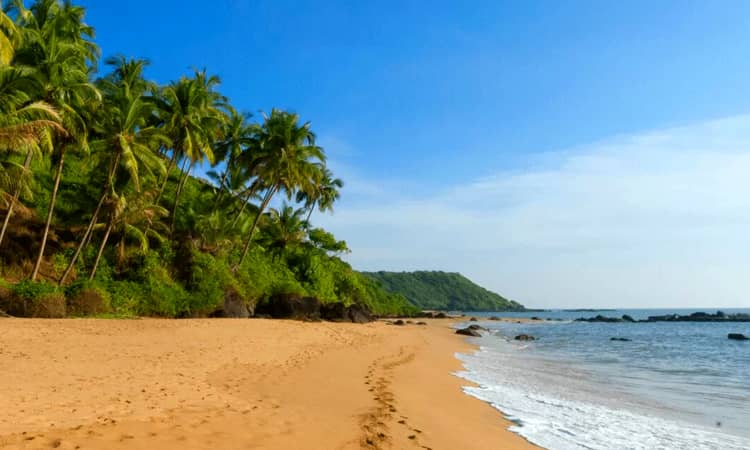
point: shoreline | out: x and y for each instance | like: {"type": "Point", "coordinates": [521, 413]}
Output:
{"type": "Point", "coordinates": [213, 383]}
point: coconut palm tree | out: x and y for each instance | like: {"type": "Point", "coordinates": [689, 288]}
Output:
{"type": "Point", "coordinates": [127, 144]}
{"type": "Point", "coordinates": [7, 38]}
{"type": "Point", "coordinates": [285, 229]}
{"type": "Point", "coordinates": [286, 159]}
{"type": "Point", "coordinates": [324, 193]}
{"type": "Point", "coordinates": [190, 110]}
{"type": "Point", "coordinates": [237, 138]}
{"type": "Point", "coordinates": [26, 127]}
{"type": "Point", "coordinates": [58, 45]}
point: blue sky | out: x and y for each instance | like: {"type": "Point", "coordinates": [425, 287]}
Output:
{"type": "Point", "coordinates": [556, 152]}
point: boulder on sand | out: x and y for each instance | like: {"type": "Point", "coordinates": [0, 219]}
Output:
{"type": "Point", "coordinates": [291, 306]}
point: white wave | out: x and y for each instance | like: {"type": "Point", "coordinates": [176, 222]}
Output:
{"type": "Point", "coordinates": [559, 418]}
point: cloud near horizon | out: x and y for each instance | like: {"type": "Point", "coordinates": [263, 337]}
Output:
{"type": "Point", "coordinates": [656, 219]}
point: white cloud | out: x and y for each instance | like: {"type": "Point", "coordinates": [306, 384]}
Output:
{"type": "Point", "coordinates": [655, 219]}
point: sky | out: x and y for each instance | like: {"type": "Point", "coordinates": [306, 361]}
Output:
{"type": "Point", "coordinates": [561, 153]}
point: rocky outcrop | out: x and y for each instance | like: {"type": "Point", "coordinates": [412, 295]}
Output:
{"type": "Point", "coordinates": [233, 306]}
{"type": "Point", "coordinates": [524, 337]}
{"type": "Point", "coordinates": [339, 312]}
{"type": "Point", "coordinates": [719, 316]}
{"type": "Point", "coordinates": [738, 337]}
{"type": "Point", "coordinates": [291, 306]}
{"type": "Point", "coordinates": [468, 332]}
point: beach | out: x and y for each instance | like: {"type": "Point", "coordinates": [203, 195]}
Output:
{"type": "Point", "coordinates": [222, 383]}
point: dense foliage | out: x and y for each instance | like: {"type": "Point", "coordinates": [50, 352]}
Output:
{"type": "Point", "coordinates": [443, 291]}
{"type": "Point", "coordinates": [99, 200]}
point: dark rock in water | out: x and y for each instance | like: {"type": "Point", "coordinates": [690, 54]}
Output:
{"type": "Point", "coordinates": [599, 318]}
{"type": "Point", "coordinates": [399, 322]}
{"type": "Point", "coordinates": [524, 337]}
{"type": "Point", "coordinates": [476, 327]}
{"type": "Point", "coordinates": [619, 339]}
{"type": "Point", "coordinates": [494, 318]}
{"type": "Point", "coordinates": [720, 316]}
{"type": "Point", "coordinates": [473, 319]}
{"type": "Point", "coordinates": [468, 332]}
{"type": "Point", "coordinates": [291, 306]}
{"type": "Point", "coordinates": [536, 318]}
{"type": "Point", "coordinates": [738, 337]}
{"type": "Point", "coordinates": [421, 323]}
{"type": "Point", "coordinates": [627, 318]}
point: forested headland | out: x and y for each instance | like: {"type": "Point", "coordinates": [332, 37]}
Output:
{"type": "Point", "coordinates": [438, 290]}
{"type": "Point", "coordinates": [102, 212]}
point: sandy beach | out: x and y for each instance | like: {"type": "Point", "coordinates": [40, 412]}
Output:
{"type": "Point", "coordinates": [262, 384]}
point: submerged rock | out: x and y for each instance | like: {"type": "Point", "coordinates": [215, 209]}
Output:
{"type": "Point", "coordinates": [621, 339]}
{"type": "Point", "coordinates": [468, 332]}
{"type": "Point", "coordinates": [525, 337]}
{"type": "Point", "coordinates": [738, 337]}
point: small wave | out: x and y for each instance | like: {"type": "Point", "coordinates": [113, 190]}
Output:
{"type": "Point", "coordinates": [559, 423]}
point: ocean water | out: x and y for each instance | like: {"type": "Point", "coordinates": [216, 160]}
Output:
{"type": "Point", "coordinates": [680, 385]}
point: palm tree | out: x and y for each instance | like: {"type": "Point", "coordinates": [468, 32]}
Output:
{"type": "Point", "coordinates": [26, 127]}
{"type": "Point", "coordinates": [57, 44]}
{"type": "Point", "coordinates": [287, 159]}
{"type": "Point", "coordinates": [127, 144]}
{"type": "Point", "coordinates": [7, 38]}
{"type": "Point", "coordinates": [190, 111]}
{"type": "Point", "coordinates": [238, 136]}
{"type": "Point", "coordinates": [286, 229]}
{"type": "Point", "coordinates": [137, 220]}
{"type": "Point", "coordinates": [324, 193]}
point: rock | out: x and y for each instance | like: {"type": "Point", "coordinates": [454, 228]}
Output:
{"type": "Point", "coordinates": [494, 318]}
{"type": "Point", "coordinates": [599, 318]}
{"type": "Point", "coordinates": [399, 322]}
{"type": "Point", "coordinates": [421, 323]}
{"type": "Point", "coordinates": [359, 313]}
{"type": "Point", "coordinates": [536, 318]}
{"type": "Point", "coordinates": [627, 318]}
{"type": "Point", "coordinates": [473, 319]}
{"type": "Point", "coordinates": [291, 306]}
{"type": "Point", "coordinates": [468, 332]}
{"type": "Point", "coordinates": [4, 315]}
{"type": "Point", "coordinates": [738, 337]}
{"type": "Point", "coordinates": [619, 339]}
{"type": "Point", "coordinates": [524, 337]}
{"type": "Point", "coordinates": [234, 306]}
{"type": "Point", "coordinates": [476, 328]}
{"type": "Point", "coordinates": [440, 315]}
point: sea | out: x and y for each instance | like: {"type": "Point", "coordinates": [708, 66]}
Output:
{"type": "Point", "coordinates": [674, 385]}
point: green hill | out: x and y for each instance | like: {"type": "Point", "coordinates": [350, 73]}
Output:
{"type": "Point", "coordinates": [443, 290]}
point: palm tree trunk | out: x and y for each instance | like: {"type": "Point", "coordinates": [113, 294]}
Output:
{"type": "Point", "coordinates": [250, 193]}
{"type": "Point", "coordinates": [85, 239]}
{"type": "Point", "coordinates": [101, 248]}
{"type": "Point", "coordinates": [177, 194]}
{"type": "Point", "coordinates": [52, 201]}
{"type": "Point", "coordinates": [13, 201]}
{"type": "Point", "coordinates": [172, 160]}
{"type": "Point", "coordinates": [312, 208]}
{"type": "Point", "coordinates": [263, 206]}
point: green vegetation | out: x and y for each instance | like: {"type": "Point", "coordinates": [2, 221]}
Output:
{"type": "Point", "coordinates": [443, 291]}
{"type": "Point", "coordinates": [101, 212]}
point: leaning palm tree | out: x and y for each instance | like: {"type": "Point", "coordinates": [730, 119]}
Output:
{"type": "Point", "coordinates": [127, 144]}
{"type": "Point", "coordinates": [287, 160]}
{"type": "Point", "coordinates": [190, 111]}
{"type": "Point", "coordinates": [237, 138]}
{"type": "Point", "coordinates": [324, 192]}
{"type": "Point", "coordinates": [58, 45]}
{"type": "Point", "coordinates": [26, 127]}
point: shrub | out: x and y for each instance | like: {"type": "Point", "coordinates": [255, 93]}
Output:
{"type": "Point", "coordinates": [35, 299]}
{"type": "Point", "coordinates": [86, 298]}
